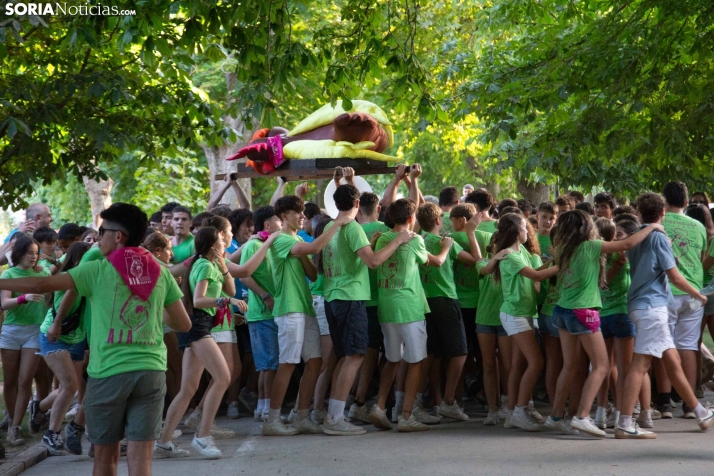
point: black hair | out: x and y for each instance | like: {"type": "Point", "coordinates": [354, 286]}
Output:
{"type": "Point", "coordinates": [131, 218]}
{"type": "Point", "coordinates": [675, 193]}
{"type": "Point", "coordinates": [22, 246]}
{"type": "Point", "coordinates": [221, 211]}
{"type": "Point", "coordinates": [449, 196]}
{"type": "Point", "coordinates": [623, 209]}
{"type": "Point", "coordinates": [628, 226]}
{"type": "Point", "coordinates": [400, 211]}
{"type": "Point", "coordinates": [70, 231]}
{"type": "Point", "coordinates": [368, 203]}
{"type": "Point", "coordinates": [701, 213]}
{"type": "Point", "coordinates": [181, 209]}
{"type": "Point", "coordinates": [312, 210]}
{"type": "Point", "coordinates": [238, 217]}
{"type": "Point", "coordinates": [525, 205]}
{"type": "Point", "coordinates": [204, 241]}
{"type": "Point", "coordinates": [547, 207]}
{"type": "Point", "coordinates": [607, 198]}
{"type": "Point", "coordinates": [262, 215]}
{"type": "Point", "coordinates": [345, 197]}
{"type": "Point", "coordinates": [45, 235]}
{"type": "Point", "coordinates": [289, 203]}
{"type": "Point", "coordinates": [169, 207]}
{"type": "Point", "coordinates": [482, 198]}
{"type": "Point", "coordinates": [74, 255]}
{"type": "Point", "coordinates": [586, 207]}
{"type": "Point", "coordinates": [650, 206]}
{"type": "Point", "coordinates": [706, 197]}
{"type": "Point", "coordinates": [198, 219]}
{"type": "Point", "coordinates": [577, 196]}
{"type": "Point", "coordinates": [156, 217]}
{"type": "Point", "coordinates": [626, 217]}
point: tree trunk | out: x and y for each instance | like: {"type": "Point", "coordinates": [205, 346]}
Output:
{"type": "Point", "coordinates": [100, 197]}
{"type": "Point", "coordinates": [480, 177]}
{"type": "Point", "coordinates": [535, 192]}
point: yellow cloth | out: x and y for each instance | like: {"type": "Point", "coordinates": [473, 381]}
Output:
{"type": "Point", "coordinates": [329, 149]}
{"type": "Point", "coordinates": [326, 114]}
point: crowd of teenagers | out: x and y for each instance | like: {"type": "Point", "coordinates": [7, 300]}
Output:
{"type": "Point", "coordinates": [126, 328]}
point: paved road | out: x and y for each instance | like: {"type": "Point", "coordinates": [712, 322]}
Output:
{"type": "Point", "coordinates": [448, 449]}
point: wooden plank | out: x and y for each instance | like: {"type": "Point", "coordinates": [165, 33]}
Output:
{"type": "Point", "coordinates": [311, 169]}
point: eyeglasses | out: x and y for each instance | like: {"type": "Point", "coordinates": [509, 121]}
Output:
{"type": "Point", "coordinates": [102, 230]}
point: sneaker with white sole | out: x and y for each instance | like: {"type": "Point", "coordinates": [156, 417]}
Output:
{"type": "Point", "coordinates": [54, 444]}
{"type": "Point", "coordinates": [14, 436]}
{"type": "Point", "coordinates": [257, 416]}
{"type": "Point", "coordinates": [637, 410]}
{"type": "Point", "coordinates": [318, 416]}
{"type": "Point", "coordinates": [656, 415]}
{"type": "Point", "coordinates": [360, 414]}
{"type": "Point", "coordinates": [535, 414]}
{"type": "Point", "coordinates": [561, 426]}
{"type": "Point", "coordinates": [521, 418]}
{"type": "Point", "coordinates": [688, 413]}
{"type": "Point", "coordinates": [176, 434]}
{"type": "Point", "coordinates": [452, 411]}
{"type": "Point", "coordinates": [665, 411]}
{"type": "Point", "coordinates": [492, 419]}
{"type": "Point", "coordinates": [507, 420]}
{"type": "Point", "coordinates": [278, 428]}
{"type": "Point", "coordinates": [342, 428]}
{"type": "Point", "coordinates": [71, 413]}
{"type": "Point", "coordinates": [600, 419]}
{"type": "Point", "coordinates": [395, 414]}
{"type": "Point", "coordinates": [422, 416]}
{"type": "Point", "coordinates": [232, 411]}
{"type": "Point", "coordinates": [193, 420]}
{"type": "Point", "coordinates": [503, 411]}
{"type": "Point", "coordinates": [307, 426]}
{"type": "Point", "coordinates": [645, 419]}
{"type": "Point", "coordinates": [221, 433]}
{"type": "Point", "coordinates": [410, 425]}
{"type": "Point", "coordinates": [586, 425]}
{"type": "Point", "coordinates": [292, 415]}
{"type": "Point", "coordinates": [613, 416]}
{"type": "Point", "coordinates": [206, 446]}
{"type": "Point", "coordinates": [707, 421]}
{"type": "Point", "coordinates": [633, 433]}
{"type": "Point", "coordinates": [168, 450]}
{"type": "Point", "coordinates": [378, 418]}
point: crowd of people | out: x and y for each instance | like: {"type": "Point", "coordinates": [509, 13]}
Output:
{"type": "Point", "coordinates": [125, 329]}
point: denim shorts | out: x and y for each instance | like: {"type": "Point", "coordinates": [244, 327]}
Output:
{"type": "Point", "coordinates": [76, 351]}
{"type": "Point", "coordinates": [565, 319]}
{"type": "Point", "coordinates": [617, 325]}
{"type": "Point", "coordinates": [547, 325]}
{"type": "Point", "coordinates": [486, 329]}
{"type": "Point", "coordinates": [201, 325]}
{"type": "Point", "coordinates": [264, 340]}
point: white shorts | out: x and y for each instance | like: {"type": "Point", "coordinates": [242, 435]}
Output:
{"type": "Point", "coordinates": [16, 337]}
{"type": "Point", "coordinates": [515, 325]}
{"type": "Point", "coordinates": [685, 325]}
{"type": "Point", "coordinates": [167, 329]}
{"type": "Point", "coordinates": [653, 336]}
{"type": "Point", "coordinates": [318, 303]}
{"type": "Point", "coordinates": [298, 336]}
{"type": "Point", "coordinates": [225, 337]}
{"type": "Point", "coordinates": [404, 341]}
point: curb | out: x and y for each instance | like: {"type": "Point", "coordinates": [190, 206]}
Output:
{"type": "Point", "coordinates": [22, 461]}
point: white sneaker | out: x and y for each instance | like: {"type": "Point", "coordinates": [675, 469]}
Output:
{"type": "Point", "coordinates": [410, 425]}
{"type": "Point", "coordinates": [613, 416]}
{"type": "Point", "coordinates": [395, 414]}
{"type": "Point", "coordinates": [257, 416]}
{"type": "Point", "coordinates": [207, 447]}
{"type": "Point", "coordinates": [633, 433]}
{"type": "Point", "coordinates": [503, 411]}
{"type": "Point", "coordinates": [507, 420]}
{"type": "Point", "coordinates": [307, 426]}
{"type": "Point", "coordinates": [422, 416]}
{"type": "Point", "coordinates": [233, 412]}
{"type": "Point", "coordinates": [72, 412]}
{"type": "Point", "coordinates": [452, 411]}
{"type": "Point", "coordinates": [291, 416]}
{"type": "Point", "coordinates": [378, 418]}
{"type": "Point", "coordinates": [342, 428]}
{"type": "Point", "coordinates": [561, 426]}
{"type": "Point", "coordinates": [176, 434]}
{"type": "Point", "coordinates": [492, 419]}
{"type": "Point", "coordinates": [221, 433]}
{"type": "Point", "coordinates": [520, 418]}
{"type": "Point", "coordinates": [586, 425]}
{"type": "Point", "coordinates": [707, 421]}
{"type": "Point", "coordinates": [360, 414]}
{"type": "Point", "coordinates": [601, 418]}
{"type": "Point", "coordinates": [278, 428]}
{"type": "Point", "coordinates": [645, 419]}
{"type": "Point", "coordinates": [318, 416]}
{"type": "Point", "coordinates": [168, 450]}
{"type": "Point", "coordinates": [193, 420]}
{"type": "Point", "coordinates": [534, 413]}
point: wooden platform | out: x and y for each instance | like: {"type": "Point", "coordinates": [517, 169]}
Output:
{"type": "Point", "coordinates": [311, 169]}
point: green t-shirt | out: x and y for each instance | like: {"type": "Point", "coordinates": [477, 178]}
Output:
{"type": "Point", "coordinates": [370, 229]}
{"type": "Point", "coordinates": [31, 313]}
{"type": "Point", "coordinates": [537, 262]}
{"type": "Point", "coordinates": [519, 296]}
{"type": "Point", "coordinates": [257, 310]}
{"type": "Point", "coordinates": [709, 274]}
{"type": "Point", "coordinates": [490, 298]}
{"type": "Point", "coordinates": [439, 282]}
{"type": "Point", "coordinates": [580, 288]}
{"type": "Point", "coordinates": [551, 299]}
{"type": "Point", "coordinates": [292, 293]}
{"type": "Point", "coordinates": [488, 226]}
{"type": "Point", "coordinates": [44, 264]}
{"type": "Point", "coordinates": [204, 270]}
{"type": "Point", "coordinates": [77, 335]}
{"type": "Point", "coordinates": [317, 286]}
{"type": "Point", "coordinates": [446, 223]}
{"type": "Point", "coordinates": [544, 242]}
{"type": "Point", "coordinates": [466, 278]}
{"type": "Point", "coordinates": [127, 333]}
{"type": "Point", "coordinates": [92, 254]}
{"type": "Point", "coordinates": [689, 240]}
{"type": "Point", "coordinates": [183, 251]}
{"type": "Point", "coordinates": [346, 275]}
{"type": "Point", "coordinates": [400, 295]}
{"type": "Point", "coordinates": [614, 296]}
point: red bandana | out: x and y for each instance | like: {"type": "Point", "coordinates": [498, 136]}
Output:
{"type": "Point", "coordinates": [138, 268]}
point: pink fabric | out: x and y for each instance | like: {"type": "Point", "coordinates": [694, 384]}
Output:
{"type": "Point", "coordinates": [222, 312]}
{"type": "Point", "coordinates": [138, 268]}
{"type": "Point", "coordinates": [21, 299]}
{"type": "Point", "coordinates": [276, 150]}
{"type": "Point", "coordinates": [263, 236]}
{"type": "Point", "coordinates": [590, 318]}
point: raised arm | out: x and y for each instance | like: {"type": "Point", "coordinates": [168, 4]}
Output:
{"type": "Point", "coordinates": [373, 259]}
{"type": "Point", "coordinates": [243, 200]}
{"type": "Point", "coordinates": [414, 192]}
{"type": "Point", "coordinates": [58, 282]}
{"type": "Point", "coordinates": [474, 253]}
{"type": "Point", "coordinates": [390, 194]}
{"type": "Point", "coordinates": [249, 267]}
{"type": "Point", "coordinates": [278, 191]}
{"type": "Point", "coordinates": [631, 241]}
{"type": "Point", "coordinates": [218, 195]}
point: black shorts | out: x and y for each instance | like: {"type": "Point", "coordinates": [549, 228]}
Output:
{"type": "Point", "coordinates": [243, 336]}
{"type": "Point", "coordinates": [468, 315]}
{"type": "Point", "coordinates": [349, 327]}
{"type": "Point", "coordinates": [446, 335]}
{"type": "Point", "coordinates": [201, 325]}
{"type": "Point", "coordinates": [376, 338]}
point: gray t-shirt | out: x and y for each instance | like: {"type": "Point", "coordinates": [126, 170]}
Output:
{"type": "Point", "coordinates": [648, 263]}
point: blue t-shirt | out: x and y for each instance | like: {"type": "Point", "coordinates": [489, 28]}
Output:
{"type": "Point", "coordinates": [9, 235]}
{"type": "Point", "coordinates": [648, 263]}
{"type": "Point", "coordinates": [306, 237]}
{"type": "Point", "coordinates": [241, 291]}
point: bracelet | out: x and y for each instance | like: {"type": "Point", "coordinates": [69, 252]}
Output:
{"type": "Point", "coordinates": [225, 273]}
{"type": "Point", "coordinates": [21, 299]}
{"type": "Point", "coordinates": [267, 295]}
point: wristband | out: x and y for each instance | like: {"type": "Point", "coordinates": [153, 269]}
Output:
{"type": "Point", "coordinates": [21, 299]}
{"type": "Point", "coordinates": [267, 295]}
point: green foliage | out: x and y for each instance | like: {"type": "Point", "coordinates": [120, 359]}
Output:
{"type": "Point", "coordinates": [67, 199]}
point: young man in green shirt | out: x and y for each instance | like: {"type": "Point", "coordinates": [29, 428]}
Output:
{"type": "Point", "coordinates": [448, 199]}
{"type": "Point", "coordinates": [347, 258]}
{"type": "Point", "coordinates": [446, 335]}
{"type": "Point", "coordinates": [261, 325]}
{"type": "Point", "coordinates": [689, 245]}
{"type": "Point", "coordinates": [484, 202]}
{"type": "Point", "coordinates": [298, 330]}
{"type": "Point", "coordinates": [128, 293]}
{"type": "Point", "coordinates": [402, 307]}
{"type": "Point", "coordinates": [368, 218]}
{"type": "Point", "coordinates": [182, 240]}
{"type": "Point", "coordinates": [167, 217]}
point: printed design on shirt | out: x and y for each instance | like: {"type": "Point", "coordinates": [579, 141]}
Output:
{"type": "Point", "coordinates": [136, 268]}
{"type": "Point", "coordinates": [333, 267]}
{"type": "Point", "coordinates": [569, 279]}
{"type": "Point", "coordinates": [464, 275]}
{"type": "Point", "coordinates": [128, 326]}
{"type": "Point", "coordinates": [391, 275]}
{"type": "Point", "coordinates": [680, 242]}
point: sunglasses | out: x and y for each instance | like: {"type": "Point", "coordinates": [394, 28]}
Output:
{"type": "Point", "coordinates": [102, 230]}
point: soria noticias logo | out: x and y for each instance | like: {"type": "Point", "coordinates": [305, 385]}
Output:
{"type": "Point", "coordinates": [64, 8]}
